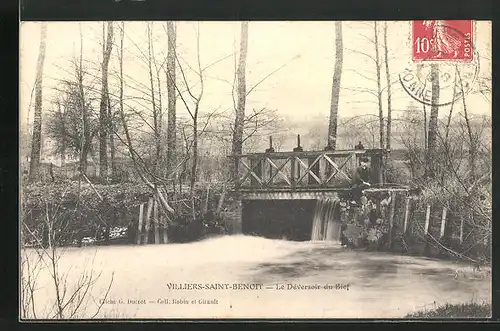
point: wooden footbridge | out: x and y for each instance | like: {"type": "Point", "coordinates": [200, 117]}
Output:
{"type": "Point", "coordinates": [282, 185]}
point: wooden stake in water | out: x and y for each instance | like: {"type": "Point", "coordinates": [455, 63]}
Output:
{"type": "Point", "coordinates": [156, 222]}
{"type": "Point", "coordinates": [139, 228]}
{"type": "Point", "coordinates": [427, 219]}
{"type": "Point", "coordinates": [407, 214]}
{"type": "Point", "coordinates": [443, 223]}
{"type": "Point", "coordinates": [148, 218]}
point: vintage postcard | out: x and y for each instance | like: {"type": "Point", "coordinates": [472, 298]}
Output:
{"type": "Point", "coordinates": [255, 170]}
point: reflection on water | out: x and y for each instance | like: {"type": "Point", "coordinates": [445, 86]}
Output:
{"type": "Point", "coordinates": [380, 285]}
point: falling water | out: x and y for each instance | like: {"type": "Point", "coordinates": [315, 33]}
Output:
{"type": "Point", "coordinates": [326, 221]}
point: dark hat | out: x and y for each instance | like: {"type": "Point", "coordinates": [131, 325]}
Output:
{"type": "Point", "coordinates": [364, 159]}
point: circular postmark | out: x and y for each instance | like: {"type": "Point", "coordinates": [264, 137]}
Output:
{"type": "Point", "coordinates": [437, 80]}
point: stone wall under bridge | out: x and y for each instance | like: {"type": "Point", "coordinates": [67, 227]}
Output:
{"type": "Point", "coordinates": [291, 216]}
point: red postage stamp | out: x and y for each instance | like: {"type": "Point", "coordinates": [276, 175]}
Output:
{"type": "Point", "coordinates": [437, 40]}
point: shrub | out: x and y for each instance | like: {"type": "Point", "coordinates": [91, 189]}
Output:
{"type": "Point", "coordinates": [463, 310]}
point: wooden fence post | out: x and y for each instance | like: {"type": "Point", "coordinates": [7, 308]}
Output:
{"type": "Point", "coordinates": [139, 228]}
{"type": "Point", "coordinates": [443, 223]}
{"type": "Point", "coordinates": [148, 218]}
{"type": "Point", "coordinates": [427, 219]}
{"type": "Point", "coordinates": [391, 216]}
{"type": "Point", "coordinates": [407, 215]}
{"type": "Point", "coordinates": [156, 222]}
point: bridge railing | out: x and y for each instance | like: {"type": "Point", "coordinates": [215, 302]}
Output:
{"type": "Point", "coordinates": [304, 170]}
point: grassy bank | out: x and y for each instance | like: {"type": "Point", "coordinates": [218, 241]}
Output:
{"type": "Point", "coordinates": [463, 310]}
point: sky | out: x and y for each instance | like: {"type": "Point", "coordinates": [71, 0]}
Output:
{"type": "Point", "coordinates": [303, 53]}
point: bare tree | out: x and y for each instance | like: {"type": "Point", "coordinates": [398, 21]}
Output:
{"type": "Point", "coordinates": [171, 126]}
{"type": "Point", "coordinates": [337, 74]}
{"type": "Point", "coordinates": [141, 167]}
{"type": "Point", "coordinates": [69, 299]}
{"type": "Point", "coordinates": [389, 96]}
{"type": "Point", "coordinates": [37, 120]}
{"type": "Point", "coordinates": [237, 145]}
{"type": "Point", "coordinates": [84, 107]}
{"type": "Point", "coordinates": [157, 111]}
{"type": "Point", "coordinates": [379, 87]}
{"type": "Point", "coordinates": [433, 123]}
{"type": "Point", "coordinates": [473, 139]}
{"type": "Point", "coordinates": [103, 107]}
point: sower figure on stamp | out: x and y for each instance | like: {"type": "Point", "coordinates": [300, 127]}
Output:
{"type": "Point", "coordinates": [360, 181]}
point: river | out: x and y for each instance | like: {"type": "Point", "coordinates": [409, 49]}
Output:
{"type": "Point", "coordinates": [298, 280]}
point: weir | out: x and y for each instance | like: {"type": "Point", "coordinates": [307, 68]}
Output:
{"type": "Point", "coordinates": [326, 221]}
{"type": "Point", "coordinates": [302, 195]}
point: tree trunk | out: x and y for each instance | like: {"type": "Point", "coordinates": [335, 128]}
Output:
{"type": "Point", "coordinates": [37, 120]}
{"type": "Point", "coordinates": [64, 142]}
{"type": "Point", "coordinates": [424, 110]}
{"type": "Point", "coordinates": [237, 146]}
{"type": "Point", "coordinates": [171, 126]}
{"type": "Point", "coordinates": [112, 140]}
{"type": "Point", "coordinates": [156, 111]}
{"type": "Point", "coordinates": [86, 138]}
{"type": "Point", "coordinates": [379, 88]}
{"type": "Point", "coordinates": [337, 74]}
{"type": "Point", "coordinates": [194, 163]}
{"type": "Point", "coordinates": [389, 97]}
{"type": "Point", "coordinates": [433, 124]}
{"type": "Point", "coordinates": [103, 107]}
{"type": "Point", "coordinates": [473, 141]}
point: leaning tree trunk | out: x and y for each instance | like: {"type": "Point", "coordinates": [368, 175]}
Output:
{"type": "Point", "coordinates": [433, 124]}
{"type": "Point", "coordinates": [103, 107]}
{"type": "Point", "coordinates": [171, 126]}
{"type": "Point", "coordinates": [37, 120]}
{"type": "Point", "coordinates": [237, 146]}
{"type": "Point", "coordinates": [379, 88]}
{"type": "Point", "coordinates": [337, 74]}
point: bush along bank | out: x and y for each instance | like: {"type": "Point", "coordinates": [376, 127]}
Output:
{"type": "Point", "coordinates": [413, 225]}
{"type": "Point", "coordinates": [72, 213]}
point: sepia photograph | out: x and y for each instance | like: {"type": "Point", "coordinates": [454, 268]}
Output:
{"type": "Point", "coordinates": [177, 170]}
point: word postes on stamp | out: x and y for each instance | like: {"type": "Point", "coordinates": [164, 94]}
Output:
{"type": "Point", "coordinates": [439, 40]}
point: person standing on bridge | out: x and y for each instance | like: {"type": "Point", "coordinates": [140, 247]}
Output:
{"type": "Point", "coordinates": [361, 180]}
{"type": "Point", "coordinates": [359, 146]}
